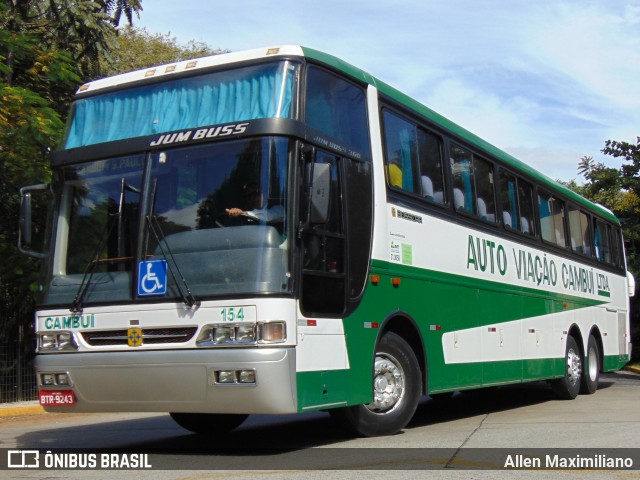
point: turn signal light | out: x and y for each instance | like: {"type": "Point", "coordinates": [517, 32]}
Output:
{"type": "Point", "coordinates": [273, 332]}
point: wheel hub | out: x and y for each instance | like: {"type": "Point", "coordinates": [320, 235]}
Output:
{"type": "Point", "coordinates": [574, 367]}
{"type": "Point", "coordinates": [388, 384]}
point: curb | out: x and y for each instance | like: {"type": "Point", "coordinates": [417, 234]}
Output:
{"type": "Point", "coordinates": [18, 410]}
{"type": "Point", "coordinates": [633, 368]}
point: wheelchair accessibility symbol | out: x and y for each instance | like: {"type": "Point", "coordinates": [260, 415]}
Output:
{"type": "Point", "coordinates": [152, 277]}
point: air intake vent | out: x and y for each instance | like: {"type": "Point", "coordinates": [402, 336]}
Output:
{"type": "Point", "coordinates": [150, 336]}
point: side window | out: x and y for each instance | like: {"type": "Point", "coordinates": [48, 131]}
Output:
{"type": "Point", "coordinates": [431, 171]}
{"type": "Point", "coordinates": [483, 175]}
{"type": "Point", "coordinates": [401, 153]}
{"type": "Point", "coordinates": [525, 200]}
{"type": "Point", "coordinates": [509, 198]}
{"type": "Point", "coordinates": [463, 186]}
{"type": "Point", "coordinates": [579, 231]}
{"type": "Point", "coordinates": [517, 204]}
{"type": "Point", "coordinates": [615, 255]}
{"type": "Point", "coordinates": [413, 158]}
{"type": "Point", "coordinates": [601, 242]}
{"type": "Point", "coordinates": [473, 186]}
{"type": "Point", "coordinates": [551, 219]}
{"type": "Point", "coordinates": [337, 108]}
{"type": "Point", "coordinates": [620, 247]}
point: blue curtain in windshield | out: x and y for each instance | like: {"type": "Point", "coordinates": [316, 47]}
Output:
{"type": "Point", "coordinates": [263, 91]}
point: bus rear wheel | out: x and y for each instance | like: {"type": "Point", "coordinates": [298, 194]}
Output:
{"type": "Point", "coordinates": [568, 387]}
{"type": "Point", "coordinates": [208, 423]}
{"type": "Point", "coordinates": [397, 387]}
{"type": "Point", "coordinates": [591, 373]}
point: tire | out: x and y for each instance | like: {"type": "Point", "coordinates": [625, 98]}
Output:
{"type": "Point", "coordinates": [591, 371]}
{"type": "Point", "coordinates": [568, 387]}
{"type": "Point", "coordinates": [397, 386]}
{"type": "Point", "coordinates": [208, 423]}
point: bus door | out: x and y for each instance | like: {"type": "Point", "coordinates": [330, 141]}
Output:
{"type": "Point", "coordinates": [322, 236]}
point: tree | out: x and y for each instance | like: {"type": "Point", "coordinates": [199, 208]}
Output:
{"type": "Point", "coordinates": [46, 47]}
{"type": "Point", "coordinates": [118, 7]}
{"type": "Point", "coordinates": [619, 190]}
{"type": "Point", "coordinates": [33, 74]}
{"type": "Point", "coordinates": [136, 48]}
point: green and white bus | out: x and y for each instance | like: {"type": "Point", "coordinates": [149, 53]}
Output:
{"type": "Point", "coordinates": [276, 231]}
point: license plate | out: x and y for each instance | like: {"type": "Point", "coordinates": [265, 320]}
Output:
{"type": "Point", "coordinates": [56, 398]}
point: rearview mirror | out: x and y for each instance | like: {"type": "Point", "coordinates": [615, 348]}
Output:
{"type": "Point", "coordinates": [26, 227]}
{"type": "Point", "coordinates": [25, 218]}
{"type": "Point", "coordinates": [320, 192]}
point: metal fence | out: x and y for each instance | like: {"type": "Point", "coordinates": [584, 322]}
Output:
{"type": "Point", "coordinates": [17, 375]}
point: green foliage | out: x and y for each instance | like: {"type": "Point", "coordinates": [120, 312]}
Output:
{"type": "Point", "coordinates": [46, 47]}
{"type": "Point", "coordinates": [81, 28]}
{"type": "Point", "coordinates": [136, 48]}
{"type": "Point", "coordinates": [618, 190]}
{"type": "Point", "coordinates": [28, 129]}
{"type": "Point", "coordinates": [116, 8]}
{"type": "Point", "coordinates": [630, 171]}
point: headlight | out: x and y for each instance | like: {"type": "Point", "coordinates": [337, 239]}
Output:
{"type": "Point", "coordinates": [246, 333]}
{"type": "Point", "coordinates": [48, 341]}
{"type": "Point", "coordinates": [60, 379]}
{"type": "Point", "coordinates": [223, 334]}
{"type": "Point", "coordinates": [242, 334]}
{"type": "Point", "coordinates": [227, 376]}
{"type": "Point", "coordinates": [57, 342]}
{"type": "Point", "coordinates": [65, 341]}
{"type": "Point", "coordinates": [245, 378]}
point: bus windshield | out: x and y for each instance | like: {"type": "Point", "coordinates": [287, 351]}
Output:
{"type": "Point", "coordinates": [216, 214]}
{"type": "Point", "coordinates": [247, 93]}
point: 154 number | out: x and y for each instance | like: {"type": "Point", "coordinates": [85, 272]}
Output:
{"type": "Point", "coordinates": [231, 314]}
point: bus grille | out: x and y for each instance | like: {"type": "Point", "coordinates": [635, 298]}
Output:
{"type": "Point", "coordinates": [149, 336]}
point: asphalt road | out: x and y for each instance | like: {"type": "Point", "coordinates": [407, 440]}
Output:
{"type": "Point", "coordinates": [466, 436]}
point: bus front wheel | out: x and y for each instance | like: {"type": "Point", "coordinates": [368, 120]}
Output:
{"type": "Point", "coordinates": [397, 387]}
{"type": "Point", "coordinates": [208, 423]}
{"type": "Point", "coordinates": [568, 387]}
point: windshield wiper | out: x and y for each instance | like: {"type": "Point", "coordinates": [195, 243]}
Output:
{"type": "Point", "coordinates": [155, 228]}
{"type": "Point", "coordinates": [76, 305]}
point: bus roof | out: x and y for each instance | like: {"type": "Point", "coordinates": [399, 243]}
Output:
{"type": "Point", "coordinates": [188, 66]}
{"type": "Point", "coordinates": [168, 70]}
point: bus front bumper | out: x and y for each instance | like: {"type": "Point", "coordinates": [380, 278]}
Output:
{"type": "Point", "coordinates": [200, 381]}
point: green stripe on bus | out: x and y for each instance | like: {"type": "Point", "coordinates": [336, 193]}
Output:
{"type": "Point", "coordinates": [425, 275]}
